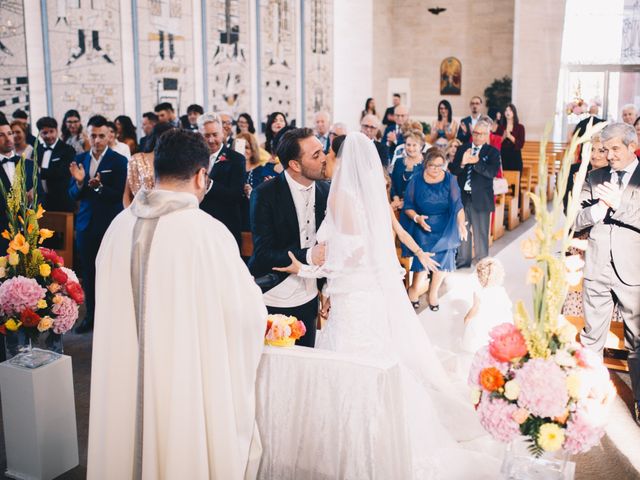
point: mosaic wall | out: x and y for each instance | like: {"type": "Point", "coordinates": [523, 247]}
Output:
{"type": "Point", "coordinates": [228, 55]}
{"type": "Point", "coordinates": [165, 30]}
{"type": "Point", "coordinates": [86, 69]}
{"type": "Point", "coordinates": [14, 83]}
{"type": "Point", "coordinates": [318, 79]}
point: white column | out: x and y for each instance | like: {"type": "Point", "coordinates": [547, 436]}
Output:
{"type": "Point", "coordinates": [198, 70]}
{"type": "Point", "coordinates": [254, 54]}
{"type": "Point", "coordinates": [128, 66]}
{"type": "Point", "coordinates": [35, 62]}
{"type": "Point", "coordinates": [352, 59]}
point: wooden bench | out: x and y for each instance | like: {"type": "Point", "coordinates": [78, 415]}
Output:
{"type": "Point", "coordinates": [512, 198]}
{"type": "Point", "coordinates": [525, 188]}
{"type": "Point", "coordinates": [62, 241]}
{"type": "Point", "coordinates": [246, 244]}
{"type": "Point", "coordinates": [497, 229]}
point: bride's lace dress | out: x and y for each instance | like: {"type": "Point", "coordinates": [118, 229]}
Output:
{"type": "Point", "coordinates": [371, 316]}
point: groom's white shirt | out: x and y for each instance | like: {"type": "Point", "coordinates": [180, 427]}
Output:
{"type": "Point", "coordinates": [294, 290]}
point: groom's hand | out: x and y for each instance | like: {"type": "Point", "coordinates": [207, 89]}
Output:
{"type": "Point", "coordinates": [317, 254]}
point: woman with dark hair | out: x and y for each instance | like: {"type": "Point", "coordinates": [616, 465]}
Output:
{"type": "Point", "coordinates": [126, 132]}
{"type": "Point", "coordinates": [72, 133]}
{"type": "Point", "coordinates": [244, 124]}
{"type": "Point", "coordinates": [369, 108]}
{"type": "Point", "coordinates": [140, 172]}
{"type": "Point", "coordinates": [445, 129]}
{"type": "Point", "coordinates": [277, 121]}
{"type": "Point", "coordinates": [512, 132]}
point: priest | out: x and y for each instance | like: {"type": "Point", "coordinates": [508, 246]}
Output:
{"type": "Point", "coordinates": [178, 335]}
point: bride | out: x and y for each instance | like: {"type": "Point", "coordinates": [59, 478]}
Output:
{"type": "Point", "coordinates": [371, 315]}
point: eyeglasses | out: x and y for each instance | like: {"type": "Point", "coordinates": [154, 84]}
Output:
{"type": "Point", "coordinates": [227, 123]}
{"type": "Point", "coordinates": [477, 133]}
{"type": "Point", "coordinates": [476, 103]}
{"type": "Point", "coordinates": [433, 166]}
{"type": "Point", "coordinates": [368, 127]}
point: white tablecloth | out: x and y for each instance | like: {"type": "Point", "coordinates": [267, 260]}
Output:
{"type": "Point", "coordinates": [324, 415]}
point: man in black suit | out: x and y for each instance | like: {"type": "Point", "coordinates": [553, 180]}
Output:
{"type": "Point", "coordinates": [149, 120]}
{"type": "Point", "coordinates": [97, 182]}
{"type": "Point", "coordinates": [467, 123]}
{"type": "Point", "coordinates": [54, 158]}
{"type": "Point", "coordinates": [370, 125]}
{"type": "Point", "coordinates": [476, 164]}
{"type": "Point", "coordinates": [190, 120]}
{"type": "Point", "coordinates": [389, 118]}
{"type": "Point", "coordinates": [286, 212]}
{"type": "Point", "coordinates": [226, 170]}
{"type": "Point", "coordinates": [227, 129]}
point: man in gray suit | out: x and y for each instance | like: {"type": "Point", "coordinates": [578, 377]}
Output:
{"type": "Point", "coordinates": [610, 200]}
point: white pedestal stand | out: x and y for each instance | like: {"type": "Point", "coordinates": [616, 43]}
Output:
{"type": "Point", "coordinates": [39, 416]}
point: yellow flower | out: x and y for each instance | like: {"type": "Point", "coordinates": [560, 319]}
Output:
{"type": "Point", "coordinates": [53, 287]}
{"type": "Point", "coordinates": [57, 299]}
{"type": "Point", "coordinates": [30, 228]}
{"type": "Point", "coordinates": [19, 244]}
{"type": "Point", "coordinates": [539, 233]}
{"type": "Point", "coordinates": [529, 248]}
{"type": "Point", "coordinates": [42, 303]}
{"type": "Point", "coordinates": [574, 385]}
{"type": "Point", "coordinates": [45, 324]}
{"type": "Point", "coordinates": [475, 395]}
{"type": "Point", "coordinates": [567, 333]}
{"type": "Point", "coordinates": [45, 269]}
{"type": "Point", "coordinates": [44, 234]}
{"type": "Point", "coordinates": [558, 235]}
{"type": "Point", "coordinates": [534, 275]}
{"type": "Point", "coordinates": [14, 259]}
{"type": "Point", "coordinates": [12, 325]}
{"type": "Point", "coordinates": [40, 212]}
{"type": "Point", "coordinates": [511, 390]}
{"type": "Point", "coordinates": [550, 437]}
{"type": "Point", "coordinates": [3, 272]}
{"type": "Point", "coordinates": [3, 262]}
{"type": "Point", "coordinates": [6, 235]}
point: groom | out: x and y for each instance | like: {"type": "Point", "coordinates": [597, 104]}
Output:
{"type": "Point", "coordinates": [285, 214]}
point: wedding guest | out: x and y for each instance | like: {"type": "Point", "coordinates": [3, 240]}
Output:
{"type": "Point", "coordinates": [322, 124]}
{"type": "Point", "coordinates": [140, 170]}
{"type": "Point", "coordinates": [22, 148]}
{"type": "Point", "coordinates": [338, 129]}
{"type": "Point", "coordinates": [98, 180]}
{"type": "Point", "coordinates": [491, 305]}
{"type": "Point", "coordinates": [275, 122]}
{"type": "Point", "coordinates": [22, 117]}
{"type": "Point", "coordinates": [452, 148]}
{"type": "Point", "coordinates": [126, 133]}
{"type": "Point", "coordinates": [370, 126]}
{"type": "Point", "coordinates": [404, 168]}
{"type": "Point", "coordinates": [149, 121]}
{"type": "Point", "coordinates": [389, 115]}
{"type": "Point", "coordinates": [476, 164]}
{"type": "Point", "coordinates": [434, 217]}
{"type": "Point", "coordinates": [629, 113]}
{"type": "Point", "coordinates": [54, 158]}
{"type": "Point", "coordinates": [72, 133]}
{"type": "Point", "coordinates": [369, 108]}
{"type": "Point", "coordinates": [166, 114]}
{"type": "Point", "coordinates": [114, 144]}
{"type": "Point", "coordinates": [467, 123]}
{"type": "Point", "coordinates": [581, 126]}
{"type": "Point", "coordinates": [513, 137]}
{"type": "Point", "coordinates": [227, 128]}
{"type": "Point", "coordinates": [597, 160]}
{"type": "Point", "coordinates": [191, 121]}
{"type": "Point", "coordinates": [445, 128]}
{"type": "Point", "coordinates": [179, 336]}
{"type": "Point", "coordinates": [392, 136]}
{"type": "Point", "coordinates": [226, 171]}
{"type": "Point", "coordinates": [636, 124]}
{"type": "Point", "coordinates": [244, 124]}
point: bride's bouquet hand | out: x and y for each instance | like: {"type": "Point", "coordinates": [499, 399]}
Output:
{"type": "Point", "coordinates": [293, 268]}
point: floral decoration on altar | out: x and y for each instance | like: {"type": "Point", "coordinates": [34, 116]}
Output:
{"type": "Point", "coordinates": [38, 294]}
{"type": "Point", "coordinates": [283, 330]}
{"type": "Point", "coordinates": [533, 379]}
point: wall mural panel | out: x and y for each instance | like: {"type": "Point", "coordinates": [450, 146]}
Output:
{"type": "Point", "coordinates": [86, 67]}
{"type": "Point", "coordinates": [14, 83]}
{"type": "Point", "coordinates": [278, 66]}
{"type": "Point", "coordinates": [318, 31]}
{"type": "Point", "coordinates": [165, 32]}
{"type": "Point", "coordinates": [228, 55]}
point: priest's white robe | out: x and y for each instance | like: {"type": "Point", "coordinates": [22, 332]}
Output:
{"type": "Point", "coordinates": [202, 328]}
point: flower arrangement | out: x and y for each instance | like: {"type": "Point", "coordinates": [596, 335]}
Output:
{"type": "Point", "coordinates": [38, 294]}
{"type": "Point", "coordinates": [283, 330]}
{"type": "Point", "coordinates": [577, 106]}
{"type": "Point", "coordinates": [534, 379]}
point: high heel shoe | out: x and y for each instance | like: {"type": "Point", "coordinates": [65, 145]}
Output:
{"type": "Point", "coordinates": [416, 304]}
{"type": "Point", "coordinates": [434, 308]}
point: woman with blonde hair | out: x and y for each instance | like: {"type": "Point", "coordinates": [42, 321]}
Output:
{"type": "Point", "coordinates": [405, 166]}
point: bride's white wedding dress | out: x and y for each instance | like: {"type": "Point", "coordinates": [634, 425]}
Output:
{"type": "Point", "coordinates": [371, 316]}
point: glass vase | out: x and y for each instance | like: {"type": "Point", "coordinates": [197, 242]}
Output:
{"type": "Point", "coordinates": [23, 351]}
{"type": "Point", "coordinates": [520, 464]}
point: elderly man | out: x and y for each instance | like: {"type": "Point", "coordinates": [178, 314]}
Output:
{"type": "Point", "coordinates": [629, 114]}
{"type": "Point", "coordinates": [322, 123]}
{"type": "Point", "coordinates": [227, 128]}
{"type": "Point", "coordinates": [226, 170]}
{"type": "Point", "coordinates": [612, 265]}
{"type": "Point", "coordinates": [392, 136]}
{"type": "Point", "coordinates": [370, 125]}
{"type": "Point", "coordinates": [476, 164]}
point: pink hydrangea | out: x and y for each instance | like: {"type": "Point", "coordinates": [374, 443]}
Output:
{"type": "Point", "coordinates": [19, 293]}
{"type": "Point", "coordinates": [580, 434]}
{"type": "Point", "coordinates": [543, 389]}
{"type": "Point", "coordinates": [483, 359]}
{"type": "Point", "coordinates": [66, 315]}
{"type": "Point", "coordinates": [496, 416]}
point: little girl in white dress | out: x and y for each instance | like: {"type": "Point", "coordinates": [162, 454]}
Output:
{"type": "Point", "coordinates": [491, 305]}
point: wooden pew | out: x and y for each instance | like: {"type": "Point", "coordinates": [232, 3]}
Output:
{"type": "Point", "coordinates": [62, 241]}
{"type": "Point", "coordinates": [497, 230]}
{"type": "Point", "coordinates": [525, 188]}
{"type": "Point", "coordinates": [512, 198]}
{"type": "Point", "coordinates": [246, 244]}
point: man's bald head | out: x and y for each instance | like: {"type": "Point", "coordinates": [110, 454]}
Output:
{"type": "Point", "coordinates": [401, 113]}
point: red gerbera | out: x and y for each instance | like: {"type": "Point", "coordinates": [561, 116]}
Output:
{"type": "Point", "coordinates": [29, 318]}
{"type": "Point", "coordinates": [75, 292]}
{"type": "Point", "coordinates": [59, 276]}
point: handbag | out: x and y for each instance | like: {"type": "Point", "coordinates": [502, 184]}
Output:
{"type": "Point", "coordinates": [500, 186]}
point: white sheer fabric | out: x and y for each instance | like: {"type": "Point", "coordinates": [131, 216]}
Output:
{"type": "Point", "coordinates": [370, 311]}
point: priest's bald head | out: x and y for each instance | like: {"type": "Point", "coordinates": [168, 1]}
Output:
{"type": "Point", "coordinates": [181, 162]}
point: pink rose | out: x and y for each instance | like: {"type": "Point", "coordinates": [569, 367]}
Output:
{"type": "Point", "coordinates": [507, 343]}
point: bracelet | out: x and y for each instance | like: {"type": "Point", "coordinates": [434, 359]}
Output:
{"type": "Point", "coordinates": [415, 218]}
{"type": "Point", "coordinates": [418, 252]}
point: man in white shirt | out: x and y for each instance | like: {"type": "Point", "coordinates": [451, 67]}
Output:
{"type": "Point", "coordinates": [286, 213]}
{"type": "Point", "coordinates": [323, 122]}
{"type": "Point", "coordinates": [467, 124]}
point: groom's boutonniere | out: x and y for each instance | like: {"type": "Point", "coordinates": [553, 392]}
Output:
{"type": "Point", "coordinates": [222, 158]}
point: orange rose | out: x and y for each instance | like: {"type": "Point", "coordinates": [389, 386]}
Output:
{"type": "Point", "coordinates": [491, 379]}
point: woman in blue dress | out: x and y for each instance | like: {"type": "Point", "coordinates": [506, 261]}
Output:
{"type": "Point", "coordinates": [406, 166]}
{"type": "Point", "coordinates": [434, 217]}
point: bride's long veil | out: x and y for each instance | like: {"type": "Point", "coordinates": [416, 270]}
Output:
{"type": "Point", "coordinates": [358, 213]}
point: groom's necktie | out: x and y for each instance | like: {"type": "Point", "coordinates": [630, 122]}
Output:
{"type": "Point", "coordinates": [469, 168]}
